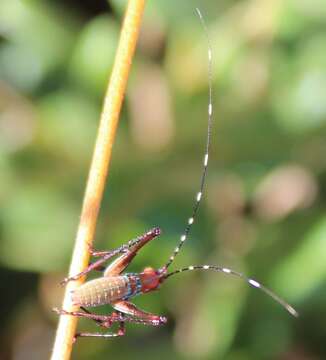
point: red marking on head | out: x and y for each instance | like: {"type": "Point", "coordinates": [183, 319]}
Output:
{"type": "Point", "coordinates": [150, 279]}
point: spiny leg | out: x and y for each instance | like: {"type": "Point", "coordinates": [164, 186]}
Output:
{"type": "Point", "coordinates": [120, 264]}
{"type": "Point", "coordinates": [120, 332]}
{"type": "Point", "coordinates": [133, 244]}
{"type": "Point", "coordinates": [107, 320]}
{"type": "Point", "coordinates": [139, 315]}
{"type": "Point", "coordinates": [93, 266]}
{"type": "Point", "coordinates": [102, 320]}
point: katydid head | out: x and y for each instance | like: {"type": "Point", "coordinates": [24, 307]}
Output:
{"type": "Point", "coordinates": [151, 278]}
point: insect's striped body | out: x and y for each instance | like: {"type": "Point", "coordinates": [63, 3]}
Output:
{"type": "Point", "coordinates": [105, 290]}
{"type": "Point", "coordinates": [110, 289]}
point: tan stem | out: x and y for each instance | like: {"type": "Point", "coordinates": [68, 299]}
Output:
{"type": "Point", "coordinates": [98, 171]}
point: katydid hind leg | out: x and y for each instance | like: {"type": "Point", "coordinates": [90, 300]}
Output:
{"type": "Point", "coordinates": [121, 263]}
{"type": "Point", "coordinates": [147, 318]}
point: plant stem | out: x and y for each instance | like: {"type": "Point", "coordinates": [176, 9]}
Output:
{"type": "Point", "coordinates": [98, 171]}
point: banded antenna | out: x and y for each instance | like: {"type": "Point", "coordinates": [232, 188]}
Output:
{"type": "Point", "coordinates": [251, 282]}
{"type": "Point", "coordinates": [199, 195]}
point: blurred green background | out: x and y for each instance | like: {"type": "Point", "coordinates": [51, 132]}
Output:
{"type": "Point", "coordinates": [264, 207]}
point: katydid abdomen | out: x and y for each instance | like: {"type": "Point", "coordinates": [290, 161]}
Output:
{"type": "Point", "coordinates": [106, 290]}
